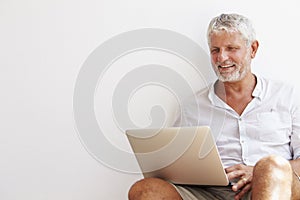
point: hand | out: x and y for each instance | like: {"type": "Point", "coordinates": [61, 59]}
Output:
{"type": "Point", "coordinates": [244, 174]}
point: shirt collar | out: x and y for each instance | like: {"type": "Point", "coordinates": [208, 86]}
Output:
{"type": "Point", "coordinates": [215, 100]}
{"type": "Point", "coordinates": [257, 92]}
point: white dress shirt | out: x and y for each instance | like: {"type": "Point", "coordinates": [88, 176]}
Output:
{"type": "Point", "coordinates": [270, 124]}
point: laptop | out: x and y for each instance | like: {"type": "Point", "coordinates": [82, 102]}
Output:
{"type": "Point", "coordinates": [181, 155]}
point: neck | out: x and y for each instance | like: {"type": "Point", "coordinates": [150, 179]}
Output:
{"type": "Point", "coordinates": [242, 87]}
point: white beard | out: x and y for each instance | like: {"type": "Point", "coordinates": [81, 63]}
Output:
{"type": "Point", "coordinates": [237, 74]}
{"type": "Point", "coordinates": [234, 76]}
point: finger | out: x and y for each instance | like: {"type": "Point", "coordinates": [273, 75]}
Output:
{"type": "Point", "coordinates": [230, 169]}
{"type": "Point", "coordinates": [234, 168]}
{"type": "Point", "coordinates": [235, 174]}
{"type": "Point", "coordinates": [240, 184]}
{"type": "Point", "coordinates": [243, 192]}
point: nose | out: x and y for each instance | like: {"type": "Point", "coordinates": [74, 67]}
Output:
{"type": "Point", "coordinates": [222, 56]}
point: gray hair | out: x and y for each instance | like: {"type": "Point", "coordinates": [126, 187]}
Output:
{"type": "Point", "coordinates": [232, 22]}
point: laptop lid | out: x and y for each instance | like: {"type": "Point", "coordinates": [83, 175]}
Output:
{"type": "Point", "coordinates": [182, 155]}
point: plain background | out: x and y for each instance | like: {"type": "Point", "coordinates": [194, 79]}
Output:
{"type": "Point", "coordinates": [43, 45]}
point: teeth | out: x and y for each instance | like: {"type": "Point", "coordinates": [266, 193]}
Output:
{"type": "Point", "coordinates": [226, 66]}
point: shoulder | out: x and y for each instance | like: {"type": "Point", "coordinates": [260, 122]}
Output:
{"type": "Point", "coordinates": [201, 95]}
{"type": "Point", "coordinates": [275, 82]}
{"type": "Point", "coordinates": [279, 89]}
{"type": "Point", "coordinates": [187, 113]}
{"type": "Point", "coordinates": [275, 85]}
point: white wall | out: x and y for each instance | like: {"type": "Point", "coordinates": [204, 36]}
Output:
{"type": "Point", "coordinates": [43, 46]}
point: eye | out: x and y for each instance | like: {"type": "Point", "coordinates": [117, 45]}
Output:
{"type": "Point", "coordinates": [214, 50]}
{"type": "Point", "coordinates": [232, 48]}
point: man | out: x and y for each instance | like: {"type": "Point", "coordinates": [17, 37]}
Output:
{"type": "Point", "coordinates": [257, 122]}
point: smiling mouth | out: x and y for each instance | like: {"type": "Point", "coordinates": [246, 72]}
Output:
{"type": "Point", "coordinates": [226, 69]}
{"type": "Point", "coordinates": [226, 66]}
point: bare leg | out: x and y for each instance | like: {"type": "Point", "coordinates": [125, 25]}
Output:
{"type": "Point", "coordinates": [272, 179]}
{"type": "Point", "coordinates": [153, 189]}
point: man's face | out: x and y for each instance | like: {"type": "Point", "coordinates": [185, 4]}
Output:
{"type": "Point", "coordinates": [230, 56]}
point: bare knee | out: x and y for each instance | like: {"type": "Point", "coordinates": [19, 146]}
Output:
{"type": "Point", "coordinates": [152, 188]}
{"type": "Point", "coordinates": [275, 166]}
{"type": "Point", "coordinates": [272, 179]}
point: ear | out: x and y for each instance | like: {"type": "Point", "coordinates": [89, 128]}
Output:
{"type": "Point", "coordinates": [254, 47]}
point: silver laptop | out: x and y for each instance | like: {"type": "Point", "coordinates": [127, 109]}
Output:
{"type": "Point", "coordinates": [182, 155]}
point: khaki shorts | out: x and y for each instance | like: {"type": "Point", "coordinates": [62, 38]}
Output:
{"type": "Point", "coordinates": [188, 192]}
